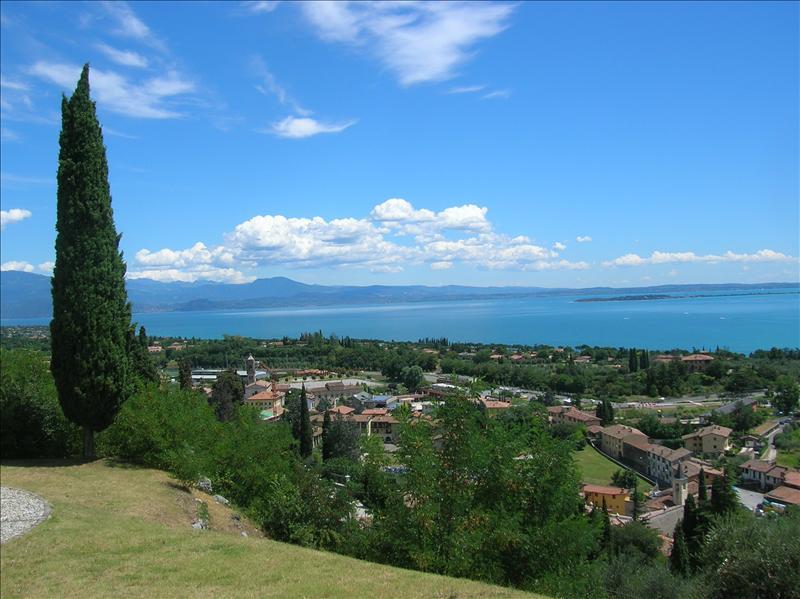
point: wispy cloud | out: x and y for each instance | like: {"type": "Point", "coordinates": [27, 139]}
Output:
{"type": "Point", "coordinates": [125, 58]}
{"type": "Point", "coordinates": [13, 216]}
{"type": "Point", "coordinates": [269, 86]}
{"type": "Point", "coordinates": [131, 26]}
{"type": "Point", "coordinates": [419, 42]}
{"type": "Point", "coordinates": [151, 98]}
{"type": "Point", "coordinates": [466, 89]}
{"type": "Point", "coordinates": [261, 6]}
{"type": "Point", "coordinates": [583, 239]}
{"type": "Point", "coordinates": [8, 134]}
{"type": "Point", "coordinates": [25, 180]}
{"type": "Point", "coordinates": [657, 257]}
{"type": "Point", "coordinates": [302, 127]}
{"type": "Point", "coordinates": [499, 94]}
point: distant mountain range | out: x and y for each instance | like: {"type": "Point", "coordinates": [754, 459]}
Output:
{"type": "Point", "coordinates": [27, 295]}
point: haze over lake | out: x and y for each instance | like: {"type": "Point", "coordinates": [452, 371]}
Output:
{"type": "Point", "coordinates": [739, 322]}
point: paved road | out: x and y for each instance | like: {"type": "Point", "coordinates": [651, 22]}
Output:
{"type": "Point", "coordinates": [749, 499]}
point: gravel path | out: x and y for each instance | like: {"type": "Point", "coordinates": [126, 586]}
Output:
{"type": "Point", "coordinates": [19, 512]}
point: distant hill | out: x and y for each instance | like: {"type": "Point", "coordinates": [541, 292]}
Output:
{"type": "Point", "coordinates": [27, 295]}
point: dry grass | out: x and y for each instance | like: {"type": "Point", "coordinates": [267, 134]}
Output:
{"type": "Point", "coordinates": [126, 532]}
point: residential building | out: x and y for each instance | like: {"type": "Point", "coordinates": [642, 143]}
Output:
{"type": "Point", "coordinates": [611, 438]}
{"type": "Point", "coordinates": [266, 400]}
{"type": "Point", "coordinates": [696, 362]}
{"type": "Point", "coordinates": [769, 476]}
{"type": "Point", "coordinates": [494, 406]}
{"type": "Point", "coordinates": [784, 495]}
{"type": "Point", "coordinates": [571, 415]}
{"type": "Point", "coordinates": [387, 427]}
{"type": "Point", "coordinates": [617, 500]}
{"type": "Point", "coordinates": [713, 440]}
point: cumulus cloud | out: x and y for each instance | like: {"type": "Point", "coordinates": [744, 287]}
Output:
{"type": "Point", "coordinates": [394, 235]}
{"type": "Point", "coordinates": [583, 239]}
{"type": "Point", "coordinates": [419, 42]}
{"type": "Point", "coordinates": [152, 98]}
{"type": "Point", "coordinates": [16, 265]}
{"type": "Point", "coordinates": [300, 127]}
{"type": "Point", "coordinates": [208, 273]}
{"type": "Point", "coordinates": [13, 216]}
{"type": "Point", "coordinates": [559, 246]}
{"type": "Point", "coordinates": [657, 257]}
{"type": "Point", "coordinates": [46, 267]}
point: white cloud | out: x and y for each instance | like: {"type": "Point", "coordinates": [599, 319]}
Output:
{"type": "Point", "coordinates": [657, 257]}
{"type": "Point", "coordinates": [442, 265]}
{"type": "Point", "coordinates": [419, 41]}
{"type": "Point", "coordinates": [8, 134]}
{"type": "Point", "coordinates": [583, 239]}
{"type": "Point", "coordinates": [466, 89]}
{"type": "Point", "coordinates": [16, 265]}
{"type": "Point", "coordinates": [498, 94]}
{"type": "Point", "coordinates": [126, 58]}
{"type": "Point", "coordinates": [302, 127]}
{"type": "Point", "coordinates": [131, 26]}
{"type": "Point", "coordinates": [46, 267]}
{"type": "Point", "coordinates": [394, 235]}
{"type": "Point", "coordinates": [13, 216]}
{"type": "Point", "coordinates": [149, 99]}
{"type": "Point", "coordinates": [13, 85]}
{"type": "Point", "coordinates": [172, 275]}
{"type": "Point", "coordinates": [559, 246]}
{"type": "Point", "coordinates": [261, 6]}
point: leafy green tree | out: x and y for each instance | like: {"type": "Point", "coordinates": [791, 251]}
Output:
{"type": "Point", "coordinates": [306, 433]}
{"type": "Point", "coordinates": [185, 374]}
{"type": "Point", "coordinates": [605, 412]}
{"type": "Point", "coordinates": [752, 558]}
{"type": "Point", "coordinates": [723, 498]}
{"type": "Point", "coordinates": [679, 558]}
{"type": "Point", "coordinates": [341, 440]}
{"type": "Point", "coordinates": [624, 479]}
{"type": "Point", "coordinates": [605, 540]}
{"type": "Point", "coordinates": [226, 393]}
{"type": "Point", "coordinates": [91, 315]}
{"type": "Point", "coordinates": [143, 365]}
{"type": "Point", "coordinates": [32, 423]}
{"type": "Point", "coordinates": [787, 394]}
{"type": "Point", "coordinates": [412, 377]}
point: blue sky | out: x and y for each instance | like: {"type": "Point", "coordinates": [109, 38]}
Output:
{"type": "Point", "coordinates": [547, 144]}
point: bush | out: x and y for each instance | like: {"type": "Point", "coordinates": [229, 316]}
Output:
{"type": "Point", "coordinates": [32, 424]}
{"type": "Point", "coordinates": [161, 428]}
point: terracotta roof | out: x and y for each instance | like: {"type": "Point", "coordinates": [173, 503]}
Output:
{"type": "Point", "coordinates": [697, 358]}
{"type": "Point", "coordinates": [594, 429]}
{"type": "Point", "coordinates": [715, 429]}
{"type": "Point", "coordinates": [792, 479]}
{"type": "Point", "coordinates": [579, 415]}
{"type": "Point", "coordinates": [361, 418]}
{"type": "Point", "coordinates": [492, 404]}
{"type": "Point", "coordinates": [265, 396]}
{"type": "Point", "coordinates": [387, 419]}
{"type": "Point", "coordinates": [784, 494]}
{"type": "Point", "coordinates": [601, 490]}
{"type": "Point", "coordinates": [342, 410]}
{"type": "Point", "coordinates": [620, 431]}
{"type": "Point", "coordinates": [757, 466]}
{"type": "Point", "coordinates": [777, 472]}
{"type": "Point", "coordinates": [556, 409]}
{"type": "Point", "coordinates": [376, 412]}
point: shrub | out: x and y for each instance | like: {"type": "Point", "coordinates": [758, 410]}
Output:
{"type": "Point", "coordinates": [32, 424]}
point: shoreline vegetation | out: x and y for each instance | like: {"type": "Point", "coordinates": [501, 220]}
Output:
{"type": "Point", "coordinates": [658, 296]}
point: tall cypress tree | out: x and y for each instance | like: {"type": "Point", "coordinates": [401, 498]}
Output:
{"type": "Point", "coordinates": [327, 449]}
{"type": "Point", "coordinates": [633, 364]}
{"type": "Point", "coordinates": [702, 491]}
{"type": "Point", "coordinates": [306, 439]}
{"type": "Point", "coordinates": [185, 374]}
{"type": "Point", "coordinates": [679, 558]}
{"type": "Point", "coordinates": [91, 323]}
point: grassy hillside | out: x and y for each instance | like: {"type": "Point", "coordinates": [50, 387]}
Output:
{"type": "Point", "coordinates": [597, 469]}
{"type": "Point", "coordinates": [118, 531]}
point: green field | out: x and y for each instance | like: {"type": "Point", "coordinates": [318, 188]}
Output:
{"type": "Point", "coordinates": [126, 532]}
{"type": "Point", "coordinates": [597, 469]}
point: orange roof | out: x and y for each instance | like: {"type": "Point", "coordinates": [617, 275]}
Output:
{"type": "Point", "coordinates": [492, 404]}
{"type": "Point", "coordinates": [342, 410]}
{"type": "Point", "coordinates": [792, 479]}
{"type": "Point", "coordinates": [376, 412]}
{"type": "Point", "coordinates": [697, 358]}
{"type": "Point", "coordinates": [784, 495]}
{"type": "Point", "coordinates": [387, 419]}
{"type": "Point", "coordinates": [620, 431]}
{"type": "Point", "coordinates": [265, 396]}
{"type": "Point", "coordinates": [601, 490]}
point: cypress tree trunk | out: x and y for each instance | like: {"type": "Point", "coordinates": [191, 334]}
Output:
{"type": "Point", "coordinates": [91, 314]}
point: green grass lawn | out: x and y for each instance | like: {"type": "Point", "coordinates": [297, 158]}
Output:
{"type": "Point", "coordinates": [125, 532]}
{"type": "Point", "coordinates": [597, 469]}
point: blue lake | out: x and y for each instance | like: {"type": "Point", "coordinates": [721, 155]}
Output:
{"type": "Point", "coordinates": [740, 323]}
